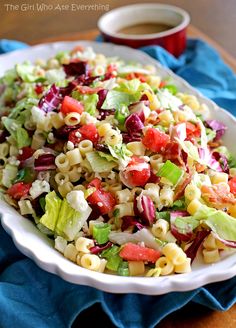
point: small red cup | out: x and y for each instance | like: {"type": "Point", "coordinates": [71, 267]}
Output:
{"type": "Point", "coordinates": [173, 39]}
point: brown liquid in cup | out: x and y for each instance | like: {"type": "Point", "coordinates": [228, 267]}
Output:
{"type": "Point", "coordinates": [145, 28]}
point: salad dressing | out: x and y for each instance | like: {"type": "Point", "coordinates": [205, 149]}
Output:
{"type": "Point", "coordinates": [145, 28]}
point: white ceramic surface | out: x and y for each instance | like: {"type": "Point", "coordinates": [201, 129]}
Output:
{"type": "Point", "coordinates": [39, 248]}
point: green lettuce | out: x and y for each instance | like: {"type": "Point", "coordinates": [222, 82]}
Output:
{"type": "Point", "coordinates": [70, 221]}
{"type": "Point", "coordinates": [99, 164]}
{"type": "Point", "coordinates": [52, 210]}
{"type": "Point", "coordinates": [27, 73]}
{"type": "Point", "coordinates": [89, 101]}
{"type": "Point", "coordinates": [19, 134]}
{"type": "Point", "coordinates": [116, 99]}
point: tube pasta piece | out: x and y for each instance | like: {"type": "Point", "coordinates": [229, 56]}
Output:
{"type": "Point", "coordinates": [38, 140]}
{"type": "Point", "coordinates": [61, 178]}
{"type": "Point", "coordinates": [90, 262]}
{"type": "Point", "coordinates": [57, 119]}
{"type": "Point", "coordinates": [112, 137]}
{"type": "Point", "coordinates": [4, 149]}
{"type": "Point", "coordinates": [155, 161]}
{"type": "Point", "coordinates": [166, 118]}
{"type": "Point", "coordinates": [165, 265]}
{"type": "Point", "coordinates": [3, 161]}
{"type": "Point", "coordinates": [210, 242]}
{"type": "Point", "coordinates": [85, 146]}
{"type": "Point", "coordinates": [211, 256]}
{"type": "Point", "coordinates": [219, 177]}
{"type": "Point", "coordinates": [136, 268]}
{"type": "Point", "coordinates": [160, 228]}
{"type": "Point", "coordinates": [153, 191]}
{"type": "Point", "coordinates": [166, 196]}
{"type": "Point", "coordinates": [83, 244]}
{"type": "Point", "coordinates": [192, 192]}
{"type": "Point", "coordinates": [104, 128]}
{"type": "Point", "coordinates": [25, 207]}
{"type": "Point", "coordinates": [194, 206]}
{"type": "Point", "coordinates": [123, 196]}
{"type": "Point", "coordinates": [65, 188]}
{"type": "Point", "coordinates": [174, 253]}
{"type": "Point", "coordinates": [126, 209]}
{"type": "Point", "coordinates": [73, 174]}
{"type": "Point", "coordinates": [74, 156]}
{"type": "Point", "coordinates": [70, 252]}
{"type": "Point", "coordinates": [72, 119]}
{"type": "Point", "coordinates": [62, 162]}
{"type": "Point", "coordinates": [184, 267]}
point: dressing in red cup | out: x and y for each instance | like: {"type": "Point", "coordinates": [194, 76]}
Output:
{"type": "Point", "coordinates": [140, 25]}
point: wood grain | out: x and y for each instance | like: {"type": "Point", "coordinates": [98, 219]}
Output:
{"type": "Point", "coordinates": [192, 315]}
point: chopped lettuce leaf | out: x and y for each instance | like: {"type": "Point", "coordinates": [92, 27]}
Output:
{"type": "Point", "coordinates": [116, 99]}
{"type": "Point", "coordinates": [19, 134]}
{"type": "Point", "coordinates": [9, 173]}
{"type": "Point", "coordinates": [52, 210]}
{"type": "Point", "coordinates": [55, 75]}
{"type": "Point", "coordinates": [189, 149]}
{"type": "Point", "coordinates": [27, 73]}
{"type": "Point", "coordinates": [223, 225]}
{"type": "Point", "coordinates": [70, 221]}
{"type": "Point", "coordinates": [89, 101]}
{"type": "Point", "coordinates": [184, 224]}
{"type": "Point", "coordinates": [99, 164]}
{"type": "Point", "coordinates": [22, 138]}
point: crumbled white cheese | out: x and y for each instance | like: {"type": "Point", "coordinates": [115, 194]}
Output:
{"type": "Point", "coordinates": [86, 118]}
{"type": "Point", "coordinates": [77, 201]}
{"type": "Point", "coordinates": [51, 138]}
{"type": "Point", "coordinates": [70, 145]}
{"type": "Point", "coordinates": [39, 187]}
{"type": "Point", "coordinates": [13, 161]}
{"type": "Point", "coordinates": [100, 204]}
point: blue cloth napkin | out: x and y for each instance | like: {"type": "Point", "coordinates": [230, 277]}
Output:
{"type": "Point", "coordinates": [31, 297]}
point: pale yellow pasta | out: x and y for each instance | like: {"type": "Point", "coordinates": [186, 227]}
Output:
{"type": "Point", "coordinates": [83, 244]}
{"type": "Point", "coordinates": [61, 178]}
{"type": "Point", "coordinates": [210, 242]}
{"type": "Point", "coordinates": [153, 191]}
{"type": "Point", "coordinates": [174, 253]}
{"type": "Point", "coordinates": [155, 161]}
{"type": "Point", "coordinates": [72, 118]}
{"type": "Point", "coordinates": [219, 177]}
{"type": "Point", "coordinates": [154, 81]}
{"type": "Point", "coordinates": [125, 209]}
{"type": "Point", "coordinates": [25, 207]}
{"type": "Point", "coordinates": [38, 140]}
{"type": "Point", "coordinates": [136, 147]}
{"type": "Point", "coordinates": [4, 149]}
{"type": "Point", "coordinates": [166, 196]}
{"type": "Point", "coordinates": [79, 187]}
{"type": "Point", "coordinates": [90, 262]}
{"type": "Point", "coordinates": [3, 161]}
{"type": "Point", "coordinates": [73, 174]}
{"type": "Point", "coordinates": [89, 176]}
{"type": "Point", "coordinates": [153, 272]}
{"type": "Point", "coordinates": [85, 146]}
{"type": "Point", "coordinates": [103, 128]}
{"type": "Point", "coordinates": [74, 156]}
{"type": "Point", "coordinates": [194, 206]}
{"type": "Point", "coordinates": [211, 256]}
{"type": "Point", "coordinates": [29, 125]}
{"type": "Point", "coordinates": [166, 118]}
{"type": "Point", "coordinates": [165, 265]}
{"type": "Point", "coordinates": [57, 119]}
{"type": "Point", "coordinates": [160, 228]}
{"type": "Point", "coordinates": [192, 192]}
{"type": "Point", "coordinates": [112, 137]}
{"type": "Point", "coordinates": [13, 151]}
{"type": "Point", "coordinates": [184, 267]}
{"type": "Point", "coordinates": [53, 63]}
{"type": "Point", "coordinates": [45, 125]}
{"type": "Point", "coordinates": [232, 172]}
{"type": "Point", "coordinates": [85, 165]}
{"type": "Point", "coordinates": [115, 187]}
{"type": "Point", "coordinates": [71, 252]}
{"type": "Point", "coordinates": [102, 265]}
{"type": "Point", "coordinates": [136, 268]}
{"type": "Point", "coordinates": [62, 162]}
{"type": "Point", "coordinates": [60, 244]}
{"type": "Point", "coordinates": [189, 100]}
{"type": "Point", "coordinates": [154, 102]}
{"type": "Point", "coordinates": [123, 196]}
{"type": "Point", "coordinates": [181, 116]}
{"type": "Point", "coordinates": [65, 188]}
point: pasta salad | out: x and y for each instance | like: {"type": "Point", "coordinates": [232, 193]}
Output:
{"type": "Point", "coordinates": [127, 174]}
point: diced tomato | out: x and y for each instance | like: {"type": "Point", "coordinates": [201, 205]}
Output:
{"type": "Point", "coordinates": [95, 183]}
{"type": "Point", "coordinates": [38, 89]}
{"type": "Point", "coordinates": [19, 190]}
{"type": "Point", "coordinates": [137, 172]}
{"type": "Point", "coordinates": [141, 77]}
{"type": "Point", "coordinates": [25, 153]}
{"type": "Point", "coordinates": [71, 105]}
{"type": "Point", "coordinates": [232, 185]}
{"type": "Point", "coordinates": [133, 252]}
{"type": "Point", "coordinates": [162, 84]}
{"type": "Point", "coordinates": [88, 131]}
{"type": "Point", "coordinates": [155, 140]}
{"type": "Point", "coordinates": [103, 200]}
{"type": "Point", "coordinates": [192, 130]}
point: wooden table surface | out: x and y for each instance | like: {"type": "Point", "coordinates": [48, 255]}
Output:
{"type": "Point", "coordinates": [191, 315]}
